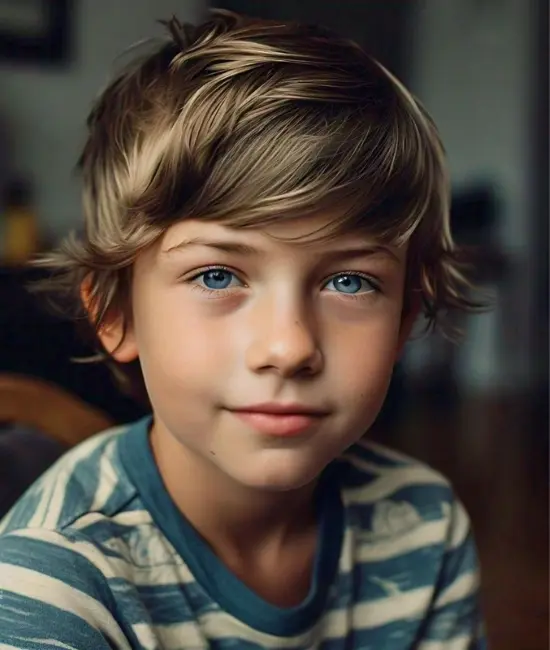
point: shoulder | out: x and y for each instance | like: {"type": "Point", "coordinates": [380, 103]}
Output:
{"type": "Point", "coordinates": [408, 544]}
{"type": "Point", "coordinates": [55, 585]}
{"type": "Point", "coordinates": [37, 556]}
{"type": "Point", "coordinates": [89, 479]}
{"type": "Point", "coordinates": [390, 495]}
{"type": "Point", "coordinates": [372, 472]}
{"type": "Point", "coordinates": [78, 533]}
{"type": "Point", "coordinates": [87, 513]}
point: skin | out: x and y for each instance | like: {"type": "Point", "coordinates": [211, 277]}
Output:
{"type": "Point", "coordinates": [279, 323]}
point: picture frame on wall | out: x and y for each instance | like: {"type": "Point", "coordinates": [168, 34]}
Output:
{"type": "Point", "coordinates": [35, 31]}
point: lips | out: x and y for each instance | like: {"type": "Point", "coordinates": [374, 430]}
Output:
{"type": "Point", "coordinates": [280, 419]}
{"type": "Point", "coordinates": [275, 408]}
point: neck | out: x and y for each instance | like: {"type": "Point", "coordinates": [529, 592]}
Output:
{"type": "Point", "coordinates": [228, 515]}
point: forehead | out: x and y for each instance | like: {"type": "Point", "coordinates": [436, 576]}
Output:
{"type": "Point", "coordinates": [308, 234]}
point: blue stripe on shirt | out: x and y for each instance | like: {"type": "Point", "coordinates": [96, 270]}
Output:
{"type": "Point", "coordinates": [21, 617]}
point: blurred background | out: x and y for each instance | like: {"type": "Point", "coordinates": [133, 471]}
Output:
{"type": "Point", "coordinates": [477, 411]}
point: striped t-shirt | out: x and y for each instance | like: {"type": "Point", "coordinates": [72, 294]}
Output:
{"type": "Point", "coordinates": [96, 556]}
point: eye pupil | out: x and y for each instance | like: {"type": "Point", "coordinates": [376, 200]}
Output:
{"type": "Point", "coordinates": [349, 283]}
{"type": "Point", "coordinates": [217, 279]}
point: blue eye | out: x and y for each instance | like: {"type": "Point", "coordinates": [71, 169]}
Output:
{"type": "Point", "coordinates": [350, 283]}
{"type": "Point", "coordinates": [217, 279]}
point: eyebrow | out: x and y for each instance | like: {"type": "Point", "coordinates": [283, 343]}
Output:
{"type": "Point", "coordinates": [225, 246]}
{"type": "Point", "coordinates": [239, 248]}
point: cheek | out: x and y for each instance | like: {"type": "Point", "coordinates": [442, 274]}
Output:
{"type": "Point", "coordinates": [363, 362]}
{"type": "Point", "coordinates": [176, 345]}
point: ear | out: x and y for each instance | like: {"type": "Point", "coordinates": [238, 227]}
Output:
{"type": "Point", "coordinates": [408, 319]}
{"type": "Point", "coordinates": [120, 344]}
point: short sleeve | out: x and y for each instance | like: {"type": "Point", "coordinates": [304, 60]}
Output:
{"type": "Point", "coordinates": [51, 595]}
{"type": "Point", "coordinates": [455, 621]}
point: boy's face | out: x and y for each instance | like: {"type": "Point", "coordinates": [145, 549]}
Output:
{"type": "Point", "coordinates": [232, 325]}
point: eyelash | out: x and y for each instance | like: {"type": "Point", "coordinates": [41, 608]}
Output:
{"type": "Point", "coordinates": [375, 285]}
{"type": "Point", "coordinates": [212, 293]}
{"type": "Point", "coordinates": [221, 293]}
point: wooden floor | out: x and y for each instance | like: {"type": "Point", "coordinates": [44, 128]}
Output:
{"type": "Point", "coordinates": [495, 451]}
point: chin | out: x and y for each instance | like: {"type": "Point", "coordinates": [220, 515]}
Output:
{"type": "Point", "coordinates": [279, 477]}
{"type": "Point", "coordinates": [279, 485]}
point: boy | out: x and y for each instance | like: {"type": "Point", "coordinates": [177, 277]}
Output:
{"type": "Point", "coordinates": [266, 214]}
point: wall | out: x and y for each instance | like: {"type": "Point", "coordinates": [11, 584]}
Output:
{"type": "Point", "coordinates": [473, 69]}
{"type": "Point", "coordinates": [380, 27]}
{"type": "Point", "coordinates": [46, 109]}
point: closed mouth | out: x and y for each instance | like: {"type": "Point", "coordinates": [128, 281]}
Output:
{"type": "Point", "coordinates": [272, 408]}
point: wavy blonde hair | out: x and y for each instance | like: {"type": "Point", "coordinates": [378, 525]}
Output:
{"type": "Point", "coordinates": [249, 122]}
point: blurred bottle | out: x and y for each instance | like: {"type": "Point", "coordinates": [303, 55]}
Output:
{"type": "Point", "coordinates": [20, 225]}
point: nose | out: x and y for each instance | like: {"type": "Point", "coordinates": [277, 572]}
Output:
{"type": "Point", "coordinates": [285, 342]}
